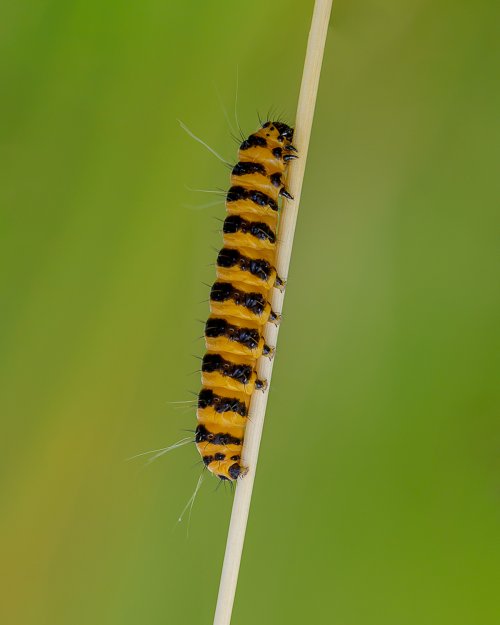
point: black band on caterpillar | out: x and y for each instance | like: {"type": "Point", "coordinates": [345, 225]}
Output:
{"type": "Point", "coordinates": [223, 291]}
{"type": "Point", "coordinates": [229, 257]}
{"type": "Point", "coordinates": [248, 167]}
{"type": "Point", "coordinates": [215, 362]}
{"type": "Point", "coordinates": [208, 399]}
{"type": "Point", "coordinates": [203, 435]}
{"type": "Point", "coordinates": [258, 229]}
{"type": "Point", "coordinates": [257, 197]}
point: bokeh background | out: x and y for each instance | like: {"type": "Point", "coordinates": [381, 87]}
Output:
{"type": "Point", "coordinates": [376, 499]}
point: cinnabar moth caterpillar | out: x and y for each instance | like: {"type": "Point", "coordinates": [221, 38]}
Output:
{"type": "Point", "coordinates": [240, 298]}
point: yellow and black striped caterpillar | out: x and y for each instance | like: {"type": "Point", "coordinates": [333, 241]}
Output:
{"type": "Point", "coordinates": [240, 298]}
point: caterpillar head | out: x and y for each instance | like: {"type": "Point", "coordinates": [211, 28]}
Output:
{"type": "Point", "coordinates": [278, 131]}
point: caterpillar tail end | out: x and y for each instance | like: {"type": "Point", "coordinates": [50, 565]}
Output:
{"type": "Point", "coordinates": [233, 473]}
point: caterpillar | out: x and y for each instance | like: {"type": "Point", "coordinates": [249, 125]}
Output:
{"type": "Point", "coordinates": [240, 298]}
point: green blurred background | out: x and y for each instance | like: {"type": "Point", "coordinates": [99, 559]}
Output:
{"type": "Point", "coordinates": [376, 500]}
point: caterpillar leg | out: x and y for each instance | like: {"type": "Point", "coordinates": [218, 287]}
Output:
{"type": "Point", "coordinates": [284, 193]}
{"type": "Point", "coordinates": [279, 284]}
{"type": "Point", "coordinates": [269, 351]}
{"type": "Point", "coordinates": [275, 318]}
{"type": "Point", "coordinates": [261, 385]}
{"type": "Point", "coordinates": [276, 179]}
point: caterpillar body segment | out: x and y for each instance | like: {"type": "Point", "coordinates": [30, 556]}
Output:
{"type": "Point", "coordinates": [229, 412]}
{"type": "Point", "coordinates": [253, 267]}
{"type": "Point", "coordinates": [240, 298]}
{"type": "Point", "coordinates": [245, 231]}
{"type": "Point", "coordinates": [235, 373]}
{"type": "Point", "coordinates": [234, 336]}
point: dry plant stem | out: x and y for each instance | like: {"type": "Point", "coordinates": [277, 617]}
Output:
{"type": "Point", "coordinates": [303, 124]}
